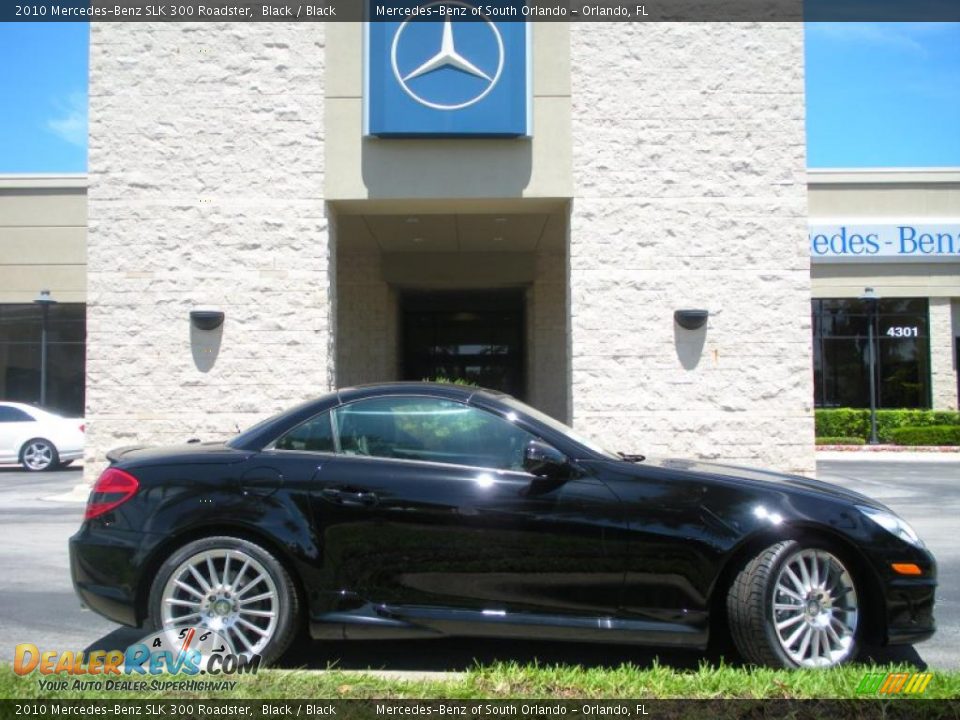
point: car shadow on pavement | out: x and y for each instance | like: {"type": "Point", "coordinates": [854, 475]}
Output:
{"type": "Point", "coordinates": [119, 639]}
{"type": "Point", "coordinates": [899, 654]}
{"type": "Point", "coordinates": [460, 654]}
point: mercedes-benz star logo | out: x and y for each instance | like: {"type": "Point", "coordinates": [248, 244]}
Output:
{"type": "Point", "coordinates": [448, 57]}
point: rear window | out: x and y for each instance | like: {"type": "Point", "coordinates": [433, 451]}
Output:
{"type": "Point", "coordinates": [314, 435]}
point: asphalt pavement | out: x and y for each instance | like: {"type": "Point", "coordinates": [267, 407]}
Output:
{"type": "Point", "coordinates": [38, 605]}
{"type": "Point", "coordinates": [926, 495]}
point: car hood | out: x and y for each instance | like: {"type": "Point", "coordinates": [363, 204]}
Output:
{"type": "Point", "coordinates": [734, 474]}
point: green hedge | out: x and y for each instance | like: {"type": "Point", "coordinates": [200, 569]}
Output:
{"type": "Point", "coordinates": [840, 441]}
{"type": "Point", "coordinates": [932, 435]}
{"type": "Point", "coordinates": [850, 422]}
{"type": "Point", "coordinates": [451, 381]}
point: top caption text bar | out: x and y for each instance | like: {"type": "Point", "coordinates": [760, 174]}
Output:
{"type": "Point", "coordinates": [502, 11]}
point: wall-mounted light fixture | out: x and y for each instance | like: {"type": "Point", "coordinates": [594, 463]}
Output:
{"type": "Point", "coordinates": [206, 319]}
{"type": "Point", "coordinates": [691, 319]}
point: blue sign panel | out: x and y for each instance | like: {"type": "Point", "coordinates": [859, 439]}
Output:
{"type": "Point", "coordinates": [446, 68]}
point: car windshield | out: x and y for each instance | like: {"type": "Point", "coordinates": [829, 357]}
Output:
{"type": "Point", "coordinates": [555, 424]}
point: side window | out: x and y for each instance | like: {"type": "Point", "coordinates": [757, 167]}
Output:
{"type": "Point", "coordinates": [430, 429]}
{"type": "Point", "coordinates": [12, 415]}
{"type": "Point", "coordinates": [314, 435]}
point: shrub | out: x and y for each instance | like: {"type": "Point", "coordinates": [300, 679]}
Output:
{"type": "Point", "coordinates": [843, 422]}
{"type": "Point", "coordinates": [451, 381]}
{"type": "Point", "coordinates": [930, 435]}
{"type": "Point", "coordinates": [840, 441]}
{"type": "Point", "coordinates": [855, 422]}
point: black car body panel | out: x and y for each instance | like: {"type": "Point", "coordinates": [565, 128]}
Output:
{"type": "Point", "coordinates": [390, 547]}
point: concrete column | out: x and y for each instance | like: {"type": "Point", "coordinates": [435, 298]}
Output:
{"type": "Point", "coordinates": [943, 368]}
{"type": "Point", "coordinates": [690, 193]}
{"type": "Point", "coordinates": [366, 319]}
{"type": "Point", "coordinates": [547, 368]}
{"type": "Point", "coordinates": [206, 176]}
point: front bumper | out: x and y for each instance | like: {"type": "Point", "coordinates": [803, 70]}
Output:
{"type": "Point", "coordinates": [910, 610]}
{"type": "Point", "coordinates": [908, 600]}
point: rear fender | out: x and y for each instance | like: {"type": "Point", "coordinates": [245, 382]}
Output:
{"type": "Point", "coordinates": [280, 523]}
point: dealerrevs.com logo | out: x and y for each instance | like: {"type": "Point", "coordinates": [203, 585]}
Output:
{"type": "Point", "coordinates": [895, 683]}
{"type": "Point", "coordinates": [189, 652]}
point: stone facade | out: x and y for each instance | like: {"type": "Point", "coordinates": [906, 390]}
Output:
{"type": "Point", "coordinates": [366, 320]}
{"type": "Point", "coordinates": [208, 169]}
{"type": "Point", "coordinates": [206, 176]}
{"type": "Point", "coordinates": [689, 158]}
{"type": "Point", "coordinates": [548, 332]}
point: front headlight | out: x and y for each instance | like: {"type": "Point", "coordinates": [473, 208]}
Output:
{"type": "Point", "coordinates": [893, 524]}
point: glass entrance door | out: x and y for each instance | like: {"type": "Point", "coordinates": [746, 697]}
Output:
{"type": "Point", "coordinates": [470, 335]}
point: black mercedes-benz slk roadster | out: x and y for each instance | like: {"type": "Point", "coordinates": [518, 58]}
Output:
{"type": "Point", "coordinates": [417, 510]}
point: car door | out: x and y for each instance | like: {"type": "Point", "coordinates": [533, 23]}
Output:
{"type": "Point", "coordinates": [426, 504]}
{"type": "Point", "coordinates": [671, 546]}
{"type": "Point", "coordinates": [15, 427]}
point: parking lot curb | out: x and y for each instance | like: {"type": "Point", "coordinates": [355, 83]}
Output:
{"type": "Point", "coordinates": [888, 456]}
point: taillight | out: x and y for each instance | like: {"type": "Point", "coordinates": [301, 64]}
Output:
{"type": "Point", "coordinates": [112, 489]}
{"type": "Point", "coordinates": [83, 428]}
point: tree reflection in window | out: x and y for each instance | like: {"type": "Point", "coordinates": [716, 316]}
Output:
{"type": "Point", "coordinates": [430, 429]}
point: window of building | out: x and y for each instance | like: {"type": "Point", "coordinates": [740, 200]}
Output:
{"type": "Point", "coordinates": [841, 358]}
{"type": "Point", "coordinates": [477, 336]}
{"type": "Point", "coordinates": [20, 329]}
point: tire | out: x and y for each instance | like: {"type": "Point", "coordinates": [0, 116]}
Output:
{"type": "Point", "coordinates": [39, 455]}
{"type": "Point", "coordinates": [272, 585]}
{"type": "Point", "coordinates": [769, 623]}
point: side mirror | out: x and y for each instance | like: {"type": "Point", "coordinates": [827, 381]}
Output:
{"type": "Point", "coordinates": [543, 460]}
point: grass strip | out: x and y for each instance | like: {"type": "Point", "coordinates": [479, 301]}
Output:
{"type": "Point", "coordinates": [513, 680]}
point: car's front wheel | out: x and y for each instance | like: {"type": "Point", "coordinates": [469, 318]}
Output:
{"type": "Point", "coordinates": [232, 586]}
{"type": "Point", "coordinates": [795, 605]}
{"type": "Point", "coordinates": [38, 455]}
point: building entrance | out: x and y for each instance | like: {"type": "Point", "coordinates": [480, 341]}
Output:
{"type": "Point", "coordinates": [475, 335]}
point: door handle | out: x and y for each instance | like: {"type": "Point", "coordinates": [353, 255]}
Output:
{"type": "Point", "coordinates": [350, 498]}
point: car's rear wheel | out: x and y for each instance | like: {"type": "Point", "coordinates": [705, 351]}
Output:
{"type": "Point", "coordinates": [232, 586]}
{"type": "Point", "coordinates": [795, 605]}
{"type": "Point", "coordinates": [38, 455]}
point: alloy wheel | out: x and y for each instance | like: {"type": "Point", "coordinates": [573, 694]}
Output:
{"type": "Point", "coordinates": [38, 455]}
{"type": "Point", "coordinates": [225, 590]}
{"type": "Point", "coordinates": [814, 609]}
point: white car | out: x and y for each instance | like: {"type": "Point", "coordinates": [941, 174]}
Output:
{"type": "Point", "coordinates": [37, 439]}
